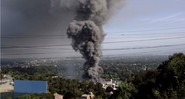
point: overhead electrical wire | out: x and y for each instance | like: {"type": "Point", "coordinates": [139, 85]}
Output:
{"type": "Point", "coordinates": [148, 47]}
{"type": "Point", "coordinates": [146, 30]}
{"type": "Point", "coordinates": [120, 49]}
{"type": "Point", "coordinates": [61, 36]}
{"type": "Point", "coordinates": [49, 36]}
{"type": "Point", "coordinates": [66, 45]}
{"type": "Point", "coordinates": [141, 52]}
{"type": "Point", "coordinates": [152, 39]}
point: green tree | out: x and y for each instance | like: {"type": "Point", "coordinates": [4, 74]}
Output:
{"type": "Point", "coordinates": [98, 89]}
{"type": "Point", "coordinates": [109, 89]}
{"type": "Point", "coordinates": [25, 97]}
{"type": "Point", "coordinates": [171, 76]}
{"type": "Point", "coordinates": [125, 91]}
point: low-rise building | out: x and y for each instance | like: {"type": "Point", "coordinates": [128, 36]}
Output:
{"type": "Point", "coordinates": [87, 96]}
{"type": "Point", "coordinates": [58, 96]}
{"type": "Point", "coordinates": [111, 83]}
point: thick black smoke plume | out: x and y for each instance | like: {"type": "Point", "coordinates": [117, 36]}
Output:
{"type": "Point", "coordinates": [86, 38]}
{"type": "Point", "coordinates": [43, 17]}
{"type": "Point", "coordinates": [87, 34]}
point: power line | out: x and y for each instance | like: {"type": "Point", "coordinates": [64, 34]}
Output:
{"type": "Point", "coordinates": [38, 46]}
{"type": "Point", "coordinates": [153, 39]}
{"type": "Point", "coordinates": [102, 55]}
{"type": "Point", "coordinates": [146, 30]}
{"type": "Point", "coordinates": [33, 36]}
{"type": "Point", "coordinates": [160, 46]}
{"type": "Point", "coordinates": [68, 45]}
{"type": "Point", "coordinates": [33, 53]}
{"type": "Point", "coordinates": [61, 35]}
{"type": "Point", "coordinates": [141, 52]}
{"type": "Point", "coordinates": [151, 33]}
{"type": "Point", "coordinates": [121, 49]}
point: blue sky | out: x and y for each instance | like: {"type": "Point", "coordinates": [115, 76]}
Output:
{"type": "Point", "coordinates": [143, 14]}
{"type": "Point", "coordinates": [140, 27]}
{"type": "Point", "coordinates": [147, 19]}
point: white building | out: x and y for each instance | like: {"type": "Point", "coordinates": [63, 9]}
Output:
{"type": "Point", "coordinates": [111, 83]}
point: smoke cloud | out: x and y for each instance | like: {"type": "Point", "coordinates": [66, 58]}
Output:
{"type": "Point", "coordinates": [27, 18]}
{"type": "Point", "coordinates": [87, 34]}
{"type": "Point", "coordinates": [45, 17]}
{"type": "Point", "coordinates": [31, 23]}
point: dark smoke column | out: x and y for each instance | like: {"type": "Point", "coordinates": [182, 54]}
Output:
{"type": "Point", "coordinates": [86, 38]}
{"type": "Point", "coordinates": [87, 34]}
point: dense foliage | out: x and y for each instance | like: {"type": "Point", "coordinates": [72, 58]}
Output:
{"type": "Point", "coordinates": [167, 81]}
{"type": "Point", "coordinates": [36, 96]}
{"type": "Point", "coordinates": [30, 73]}
{"type": "Point", "coordinates": [74, 88]}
